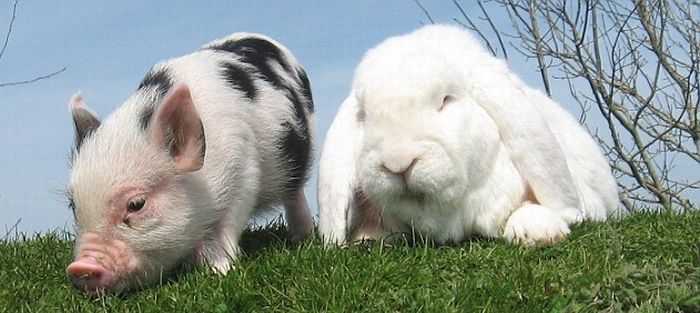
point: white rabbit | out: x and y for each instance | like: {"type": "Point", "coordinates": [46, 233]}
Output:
{"type": "Point", "coordinates": [441, 138]}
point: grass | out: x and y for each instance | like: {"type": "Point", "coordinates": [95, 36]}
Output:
{"type": "Point", "coordinates": [648, 262]}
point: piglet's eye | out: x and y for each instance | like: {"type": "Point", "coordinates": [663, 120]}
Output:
{"type": "Point", "coordinates": [136, 204]}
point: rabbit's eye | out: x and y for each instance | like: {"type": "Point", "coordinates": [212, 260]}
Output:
{"type": "Point", "coordinates": [447, 99]}
{"type": "Point", "coordinates": [360, 115]}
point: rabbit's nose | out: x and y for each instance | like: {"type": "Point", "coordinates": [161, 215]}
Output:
{"type": "Point", "coordinates": [400, 167]}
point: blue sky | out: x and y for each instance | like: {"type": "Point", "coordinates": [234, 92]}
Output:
{"type": "Point", "coordinates": [107, 46]}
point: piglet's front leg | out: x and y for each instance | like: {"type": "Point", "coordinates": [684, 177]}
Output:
{"type": "Point", "coordinates": [220, 248]}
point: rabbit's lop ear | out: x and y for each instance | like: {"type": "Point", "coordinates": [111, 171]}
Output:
{"type": "Point", "coordinates": [533, 148]}
{"type": "Point", "coordinates": [337, 174]}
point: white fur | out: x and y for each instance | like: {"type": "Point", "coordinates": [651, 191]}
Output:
{"type": "Point", "coordinates": [339, 179]}
{"type": "Point", "coordinates": [204, 211]}
{"type": "Point", "coordinates": [474, 163]}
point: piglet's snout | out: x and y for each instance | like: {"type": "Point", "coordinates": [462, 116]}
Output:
{"type": "Point", "coordinates": [101, 263]}
{"type": "Point", "coordinates": [86, 274]}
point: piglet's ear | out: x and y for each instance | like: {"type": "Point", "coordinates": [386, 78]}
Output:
{"type": "Point", "coordinates": [178, 129]}
{"type": "Point", "coordinates": [85, 120]}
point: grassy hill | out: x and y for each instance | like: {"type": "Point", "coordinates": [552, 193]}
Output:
{"type": "Point", "coordinates": [645, 263]}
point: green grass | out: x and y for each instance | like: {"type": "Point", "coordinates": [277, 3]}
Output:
{"type": "Point", "coordinates": [644, 263]}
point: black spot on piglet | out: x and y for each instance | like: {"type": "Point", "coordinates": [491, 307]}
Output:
{"type": "Point", "coordinates": [157, 81]}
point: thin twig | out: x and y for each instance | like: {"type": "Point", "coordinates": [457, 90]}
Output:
{"type": "Point", "coordinates": [493, 28]}
{"type": "Point", "coordinates": [9, 29]}
{"type": "Point", "coordinates": [29, 81]}
{"type": "Point", "coordinates": [430, 18]}
{"type": "Point", "coordinates": [8, 231]}
{"type": "Point", "coordinates": [474, 28]}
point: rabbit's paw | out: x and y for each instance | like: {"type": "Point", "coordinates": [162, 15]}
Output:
{"type": "Point", "coordinates": [535, 225]}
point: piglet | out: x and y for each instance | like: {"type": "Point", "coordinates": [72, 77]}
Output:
{"type": "Point", "coordinates": [175, 173]}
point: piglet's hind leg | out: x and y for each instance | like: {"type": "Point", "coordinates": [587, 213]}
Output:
{"type": "Point", "coordinates": [299, 222]}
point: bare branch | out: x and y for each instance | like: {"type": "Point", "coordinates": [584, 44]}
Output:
{"type": "Point", "coordinates": [9, 28]}
{"type": "Point", "coordinates": [633, 66]}
{"type": "Point", "coordinates": [4, 48]}
{"type": "Point", "coordinates": [538, 48]}
{"type": "Point", "coordinates": [29, 81]}
{"type": "Point", "coordinates": [473, 27]}
{"type": "Point", "coordinates": [493, 28]}
{"type": "Point", "coordinates": [427, 14]}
